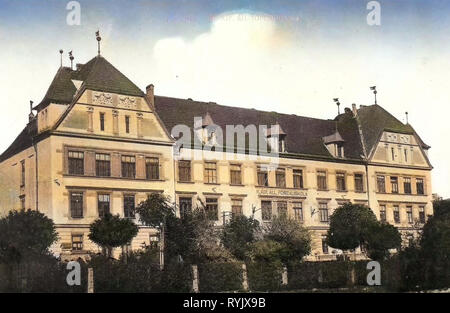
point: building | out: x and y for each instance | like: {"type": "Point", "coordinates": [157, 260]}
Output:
{"type": "Point", "coordinates": [99, 144]}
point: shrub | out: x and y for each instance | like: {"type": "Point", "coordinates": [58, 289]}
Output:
{"type": "Point", "coordinates": [264, 276]}
{"type": "Point", "coordinates": [216, 277]}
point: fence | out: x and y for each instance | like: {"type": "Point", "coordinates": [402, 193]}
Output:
{"type": "Point", "coordinates": [137, 275]}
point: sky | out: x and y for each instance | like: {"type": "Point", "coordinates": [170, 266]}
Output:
{"type": "Point", "coordinates": [286, 56]}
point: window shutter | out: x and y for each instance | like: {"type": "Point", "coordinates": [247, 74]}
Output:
{"type": "Point", "coordinates": [116, 165]}
{"type": "Point", "coordinates": [89, 163]}
{"type": "Point", "coordinates": [140, 167]}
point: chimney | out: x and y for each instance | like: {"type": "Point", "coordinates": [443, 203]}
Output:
{"type": "Point", "coordinates": [355, 111]}
{"type": "Point", "coordinates": [150, 91]}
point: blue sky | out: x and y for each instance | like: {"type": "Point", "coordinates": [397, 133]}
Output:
{"type": "Point", "coordinates": [292, 55]}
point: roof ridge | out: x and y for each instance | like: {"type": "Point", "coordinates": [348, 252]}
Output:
{"type": "Point", "coordinates": [241, 108]}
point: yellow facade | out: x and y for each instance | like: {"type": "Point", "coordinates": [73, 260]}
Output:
{"type": "Point", "coordinates": [98, 124]}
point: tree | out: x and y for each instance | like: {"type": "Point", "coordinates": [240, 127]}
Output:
{"type": "Point", "coordinates": [192, 237]}
{"type": "Point", "coordinates": [295, 240]}
{"type": "Point", "coordinates": [353, 225]}
{"type": "Point", "coordinates": [112, 231]}
{"type": "Point", "coordinates": [349, 226]}
{"type": "Point", "coordinates": [267, 251]}
{"type": "Point", "coordinates": [25, 233]}
{"type": "Point", "coordinates": [238, 235]}
{"type": "Point", "coordinates": [381, 237]}
{"type": "Point", "coordinates": [435, 245]}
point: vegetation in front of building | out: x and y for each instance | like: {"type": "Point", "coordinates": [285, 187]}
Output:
{"type": "Point", "coordinates": [268, 252]}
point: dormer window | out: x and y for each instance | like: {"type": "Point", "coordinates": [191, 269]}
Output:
{"type": "Point", "coordinates": [276, 138]}
{"type": "Point", "coordinates": [335, 144]}
{"type": "Point", "coordinates": [205, 130]}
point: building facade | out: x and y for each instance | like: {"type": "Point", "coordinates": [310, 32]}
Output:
{"type": "Point", "coordinates": [99, 144]}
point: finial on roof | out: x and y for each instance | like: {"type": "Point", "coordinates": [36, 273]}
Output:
{"type": "Point", "coordinates": [406, 113]}
{"type": "Point", "coordinates": [338, 104]}
{"type": "Point", "coordinates": [61, 53]}
{"type": "Point", "coordinates": [97, 34]}
{"type": "Point", "coordinates": [71, 59]}
{"type": "Point", "coordinates": [374, 89]}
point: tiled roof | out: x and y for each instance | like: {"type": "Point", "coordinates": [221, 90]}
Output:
{"type": "Point", "coordinates": [97, 74]}
{"type": "Point", "coordinates": [22, 142]}
{"type": "Point", "coordinates": [304, 134]}
{"type": "Point", "coordinates": [374, 120]}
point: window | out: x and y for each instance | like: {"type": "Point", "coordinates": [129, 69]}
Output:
{"type": "Point", "coordinates": [281, 145]}
{"type": "Point", "coordinates": [324, 245]}
{"type": "Point", "coordinates": [22, 173]}
{"type": "Point", "coordinates": [282, 209]}
{"type": "Point", "coordinates": [236, 207]}
{"type": "Point", "coordinates": [266, 210]}
{"type": "Point", "coordinates": [407, 185]}
{"type": "Point", "coordinates": [396, 214]}
{"type": "Point", "coordinates": [298, 178]}
{"type": "Point", "coordinates": [127, 124]}
{"type": "Point", "coordinates": [340, 181]}
{"type": "Point", "coordinates": [77, 242]}
{"type": "Point", "coordinates": [103, 205]}
{"type": "Point", "coordinates": [340, 151]}
{"type": "Point", "coordinates": [383, 213]}
{"type": "Point", "coordinates": [235, 174]}
{"type": "Point", "coordinates": [76, 204]}
{"type": "Point", "coordinates": [128, 206]}
{"type": "Point", "coordinates": [210, 172]}
{"type": "Point", "coordinates": [393, 154]}
{"type": "Point", "coordinates": [212, 211]}
{"type": "Point", "coordinates": [394, 184]}
{"type": "Point", "coordinates": [409, 214]}
{"type": "Point", "coordinates": [76, 163]}
{"type": "Point", "coordinates": [422, 214]}
{"type": "Point", "coordinates": [102, 121]}
{"type": "Point", "coordinates": [406, 155]}
{"type": "Point", "coordinates": [22, 202]}
{"type": "Point", "coordinates": [280, 177]}
{"type": "Point", "coordinates": [185, 206]}
{"type": "Point", "coordinates": [153, 241]}
{"type": "Point", "coordinates": [321, 180]}
{"type": "Point", "coordinates": [298, 211]}
{"type": "Point", "coordinates": [102, 165]}
{"type": "Point", "coordinates": [152, 168]}
{"type": "Point", "coordinates": [184, 171]}
{"type": "Point", "coordinates": [263, 177]}
{"type": "Point", "coordinates": [359, 183]}
{"type": "Point", "coordinates": [381, 185]}
{"type": "Point", "coordinates": [323, 210]}
{"type": "Point", "coordinates": [128, 166]}
{"type": "Point", "coordinates": [419, 186]}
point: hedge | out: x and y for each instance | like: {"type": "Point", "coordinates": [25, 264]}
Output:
{"type": "Point", "coordinates": [216, 277]}
{"type": "Point", "coordinates": [264, 276]}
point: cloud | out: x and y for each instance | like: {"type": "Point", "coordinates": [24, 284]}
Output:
{"type": "Point", "coordinates": [255, 60]}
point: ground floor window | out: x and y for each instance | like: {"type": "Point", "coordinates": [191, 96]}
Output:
{"type": "Point", "coordinates": [129, 206]}
{"type": "Point", "coordinates": [323, 210]}
{"type": "Point", "coordinates": [236, 207]}
{"type": "Point", "coordinates": [212, 210]}
{"type": "Point", "coordinates": [266, 210]}
{"type": "Point", "coordinates": [324, 245]}
{"type": "Point", "coordinates": [77, 242]}
{"type": "Point", "coordinates": [185, 204]}
{"type": "Point", "coordinates": [103, 205]}
{"type": "Point", "coordinates": [298, 211]}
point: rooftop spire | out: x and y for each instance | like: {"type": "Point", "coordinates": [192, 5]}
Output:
{"type": "Point", "coordinates": [406, 113]}
{"type": "Point", "coordinates": [71, 59]}
{"type": "Point", "coordinates": [97, 34]}
{"type": "Point", "coordinates": [61, 53]}
{"type": "Point", "coordinates": [338, 104]}
{"type": "Point", "coordinates": [374, 88]}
